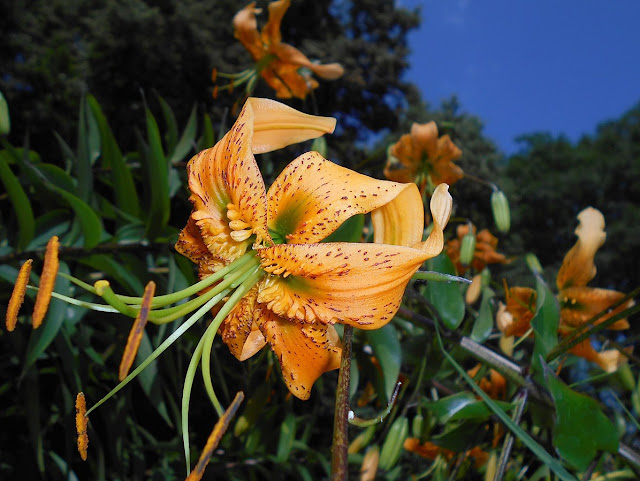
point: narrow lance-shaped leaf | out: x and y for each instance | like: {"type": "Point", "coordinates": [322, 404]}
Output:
{"type": "Point", "coordinates": [126, 197]}
{"type": "Point", "coordinates": [445, 297]}
{"type": "Point", "coordinates": [158, 179]}
{"type": "Point", "coordinates": [544, 323]}
{"type": "Point", "coordinates": [20, 202]}
{"type": "Point", "coordinates": [386, 347]}
{"type": "Point", "coordinates": [187, 140]}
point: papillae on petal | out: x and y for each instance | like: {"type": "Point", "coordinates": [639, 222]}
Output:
{"type": "Point", "coordinates": [579, 304]}
{"type": "Point", "coordinates": [304, 351]}
{"type": "Point", "coordinates": [312, 197]}
{"type": "Point", "coordinates": [578, 267]}
{"type": "Point", "coordinates": [357, 284]}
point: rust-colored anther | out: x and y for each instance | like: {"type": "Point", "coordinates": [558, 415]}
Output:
{"type": "Point", "coordinates": [47, 281]}
{"type": "Point", "coordinates": [214, 75]}
{"type": "Point", "coordinates": [214, 438]}
{"type": "Point", "coordinates": [215, 91]}
{"type": "Point", "coordinates": [135, 335]}
{"type": "Point", "coordinates": [81, 425]}
{"type": "Point", "coordinates": [17, 296]}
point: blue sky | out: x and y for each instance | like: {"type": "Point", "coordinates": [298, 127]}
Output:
{"type": "Point", "coordinates": [526, 66]}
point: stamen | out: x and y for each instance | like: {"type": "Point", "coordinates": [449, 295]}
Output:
{"type": "Point", "coordinates": [81, 425]}
{"type": "Point", "coordinates": [17, 296]}
{"type": "Point", "coordinates": [214, 438]}
{"type": "Point", "coordinates": [47, 281]}
{"type": "Point", "coordinates": [135, 336]}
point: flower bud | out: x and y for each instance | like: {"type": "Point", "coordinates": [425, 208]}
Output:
{"type": "Point", "coordinates": [467, 248]}
{"type": "Point", "coordinates": [393, 444]}
{"type": "Point", "coordinates": [320, 145]}
{"type": "Point", "coordinates": [370, 464]}
{"type": "Point", "coordinates": [5, 123]}
{"type": "Point", "coordinates": [501, 212]}
{"type": "Point", "coordinates": [416, 426]}
{"type": "Point", "coordinates": [533, 263]}
{"type": "Point", "coordinates": [474, 289]}
{"type": "Point", "coordinates": [626, 377]}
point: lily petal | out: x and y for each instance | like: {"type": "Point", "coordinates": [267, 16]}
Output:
{"type": "Point", "coordinates": [312, 197]}
{"type": "Point", "coordinates": [579, 304]}
{"type": "Point", "coordinates": [357, 284]}
{"type": "Point", "coordinates": [288, 54]}
{"type": "Point", "coordinates": [237, 328]}
{"type": "Point", "coordinates": [226, 185]}
{"type": "Point", "coordinates": [271, 30]}
{"type": "Point", "coordinates": [400, 221]}
{"type": "Point", "coordinates": [305, 351]}
{"type": "Point", "coordinates": [609, 360]}
{"type": "Point", "coordinates": [578, 268]}
{"type": "Point", "coordinates": [246, 30]}
{"type": "Point", "coordinates": [276, 125]}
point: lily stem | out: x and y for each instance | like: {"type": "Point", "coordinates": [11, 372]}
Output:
{"type": "Point", "coordinates": [339, 464]}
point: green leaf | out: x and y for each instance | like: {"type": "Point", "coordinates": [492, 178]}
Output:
{"type": "Point", "coordinates": [115, 270]}
{"type": "Point", "coordinates": [20, 202]}
{"type": "Point", "coordinates": [208, 135]}
{"type": "Point", "coordinates": [149, 380]}
{"type": "Point", "coordinates": [58, 313]}
{"type": "Point", "coordinates": [126, 197]}
{"type": "Point", "coordinates": [89, 221]}
{"type": "Point", "coordinates": [581, 429]}
{"type": "Point", "coordinates": [349, 231]}
{"type": "Point", "coordinates": [88, 150]}
{"type": "Point", "coordinates": [171, 136]}
{"type": "Point", "coordinates": [157, 179]}
{"type": "Point", "coordinates": [187, 139]}
{"type": "Point", "coordinates": [287, 436]}
{"type": "Point", "coordinates": [5, 121]}
{"type": "Point", "coordinates": [484, 321]}
{"type": "Point", "coordinates": [387, 350]}
{"type": "Point", "coordinates": [463, 405]}
{"type": "Point", "coordinates": [544, 323]}
{"type": "Point", "coordinates": [445, 297]}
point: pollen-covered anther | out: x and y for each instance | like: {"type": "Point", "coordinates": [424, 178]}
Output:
{"type": "Point", "coordinates": [81, 425]}
{"type": "Point", "coordinates": [240, 230]}
{"type": "Point", "coordinates": [17, 296]}
{"type": "Point", "coordinates": [47, 281]}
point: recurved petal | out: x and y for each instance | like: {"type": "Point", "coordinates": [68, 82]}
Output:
{"type": "Point", "coordinates": [238, 331]}
{"type": "Point", "coordinates": [357, 284]}
{"type": "Point", "coordinates": [291, 55]}
{"type": "Point", "coordinates": [609, 360]}
{"type": "Point", "coordinates": [425, 138]}
{"type": "Point", "coordinates": [578, 268]}
{"type": "Point", "coordinates": [271, 31]}
{"type": "Point", "coordinates": [246, 30]}
{"type": "Point", "coordinates": [401, 220]}
{"type": "Point", "coordinates": [441, 205]}
{"type": "Point", "coordinates": [224, 179]}
{"type": "Point", "coordinates": [190, 242]}
{"type": "Point", "coordinates": [579, 304]}
{"type": "Point", "coordinates": [287, 82]}
{"type": "Point", "coordinates": [305, 351]}
{"type": "Point", "coordinates": [276, 125]}
{"type": "Point", "coordinates": [407, 152]}
{"type": "Point", "coordinates": [313, 196]}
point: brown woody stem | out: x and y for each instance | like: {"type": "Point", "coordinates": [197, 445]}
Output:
{"type": "Point", "coordinates": [339, 464]}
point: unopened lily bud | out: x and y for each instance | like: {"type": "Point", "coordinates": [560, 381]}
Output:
{"type": "Point", "coordinates": [320, 145]}
{"type": "Point", "coordinates": [473, 292]}
{"type": "Point", "coordinates": [492, 466]}
{"type": "Point", "coordinates": [416, 426]}
{"type": "Point", "coordinates": [361, 440]}
{"type": "Point", "coordinates": [393, 444]}
{"type": "Point", "coordinates": [626, 377]}
{"type": "Point", "coordinates": [467, 248]}
{"type": "Point", "coordinates": [533, 263]}
{"type": "Point", "coordinates": [5, 123]}
{"type": "Point", "coordinates": [370, 464]}
{"type": "Point", "coordinates": [501, 212]}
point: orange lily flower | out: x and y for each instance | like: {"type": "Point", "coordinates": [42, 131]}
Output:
{"type": "Point", "coordinates": [279, 63]}
{"type": "Point", "coordinates": [578, 303]}
{"type": "Point", "coordinates": [306, 285]}
{"type": "Point", "coordinates": [423, 158]}
{"type": "Point", "coordinates": [431, 451]}
{"type": "Point", "coordinates": [485, 251]}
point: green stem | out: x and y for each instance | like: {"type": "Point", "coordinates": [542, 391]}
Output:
{"type": "Point", "coordinates": [339, 464]}
{"type": "Point", "coordinates": [162, 347]}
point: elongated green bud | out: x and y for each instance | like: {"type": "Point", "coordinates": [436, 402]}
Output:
{"type": "Point", "coordinates": [361, 440]}
{"type": "Point", "coordinates": [626, 377]}
{"type": "Point", "coordinates": [501, 212]}
{"type": "Point", "coordinates": [320, 145]}
{"type": "Point", "coordinates": [533, 263]}
{"type": "Point", "coordinates": [5, 122]}
{"type": "Point", "coordinates": [392, 446]}
{"type": "Point", "coordinates": [467, 248]}
{"type": "Point", "coordinates": [416, 426]}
